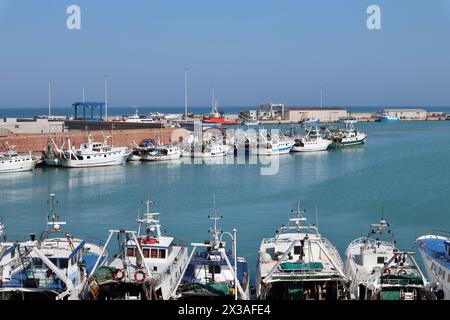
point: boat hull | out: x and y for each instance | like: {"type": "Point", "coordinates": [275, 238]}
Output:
{"type": "Point", "coordinates": [9, 167]}
{"type": "Point", "coordinates": [109, 160]}
{"type": "Point", "coordinates": [322, 146]}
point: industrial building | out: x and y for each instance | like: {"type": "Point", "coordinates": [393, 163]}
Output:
{"type": "Point", "coordinates": [280, 112]}
{"type": "Point", "coordinates": [29, 125]}
{"type": "Point", "coordinates": [329, 114]}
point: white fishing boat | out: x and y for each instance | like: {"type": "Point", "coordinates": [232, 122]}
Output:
{"type": "Point", "coordinates": [213, 272]}
{"type": "Point", "coordinates": [93, 154]}
{"type": "Point", "coordinates": [11, 161]}
{"type": "Point", "coordinates": [209, 149]}
{"type": "Point", "coordinates": [312, 141]}
{"type": "Point", "coordinates": [148, 265]}
{"type": "Point", "coordinates": [378, 270]}
{"type": "Point", "coordinates": [54, 267]}
{"type": "Point", "coordinates": [434, 247]}
{"type": "Point", "coordinates": [251, 122]}
{"type": "Point", "coordinates": [161, 152]}
{"type": "Point", "coordinates": [299, 264]}
{"type": "Point", "coordinates": [268, 145]}
{"type": "Point", "coordinates": [310, 121]}
{"type": "Point", "coordinates": [345, 137]}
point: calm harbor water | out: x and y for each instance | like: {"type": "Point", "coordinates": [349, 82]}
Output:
{"type": "Point", "coordinates": [402, 171]}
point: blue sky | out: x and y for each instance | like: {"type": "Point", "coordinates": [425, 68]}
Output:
{"type": "Point", "coordinates": [252, 52]}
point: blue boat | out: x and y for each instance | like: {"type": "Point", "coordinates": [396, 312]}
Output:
{"type": "Point", "coordinates": [387, 118]}
{"type": "Point", "coordinates": [435, 251]}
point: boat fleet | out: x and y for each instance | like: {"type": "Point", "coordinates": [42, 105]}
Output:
{"type": "Point", "coordinates": [93, 153]}
{"type": "Point", "coordinates": [146, 263]}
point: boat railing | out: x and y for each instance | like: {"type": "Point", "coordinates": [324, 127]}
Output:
{"type": "Point", "coordinates": [333, 251]}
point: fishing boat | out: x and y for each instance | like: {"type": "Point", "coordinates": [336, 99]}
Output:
{"type": "Point", "coordinates": [93, 154]}
{"type": "Point", "coordinates": [434, 248]}
{"type": "Point", "coordinates": [209, 149]}
{"type": "Point", "coordinates": [215, 117]}
{"type": "Point", "coordinates": [312, 141]}
{"type": "Point", "coordinates": [268, 145]}
{"type": "Point", "coordinates": [384, 117]}
{"type": "Point", "coordinates": [310, 121]}
{"type": "Point", "coordinates": [11, 161]}
{"type": "Point", "coordinates": [54, 267]}
{"type": "Point", "coordinates": [378, 270]}
{"type": "Point", "coordinates": [251, 122]}
{"type": "Point", "coordinates": [299, 264]}
{"type": "Point", "coordinates": [346, 137]}
{"type": "Point", "coordinates": [213, 272]}
{"type": "Point", "coordinates": [155, 151]}
{"type": "Point", "coordinates": [148, 264]}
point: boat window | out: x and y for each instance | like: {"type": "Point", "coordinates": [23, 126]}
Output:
{"type": "Point", "coordinates": [154, 253]}
{"type": "Point", "coordinates": [37, 262]}
{"type": "Point", "coordinates": [146, 253]}
{"type": "Point", "coordinates": [380, 260]}
{"type": "Point", "coordinates": [54, 261]}
{"type": "Point", "coordinates": [88, 157]}
{"type": "Point", "coordinates": [130, 252]}
{"type": "Point", "coordinates": [162, 253]}
{"type": "Point", "coordinates": [214, 269]}
{"type": "Point", "coordinates": [63, 263]}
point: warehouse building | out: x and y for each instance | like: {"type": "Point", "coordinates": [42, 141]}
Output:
{"type": "Point", "coordinates": [33, 125]}
{"type": "Point", "coordinates": [330, 114]}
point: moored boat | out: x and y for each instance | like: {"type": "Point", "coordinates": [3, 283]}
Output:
{"type": "Point", "coordinates": [215, 272]}
{"type": "Point", "coordinates": [378, 270]}
{"type": "Point", "coordinates": [434, 248]}
{"type": "Point", "coordinates": [299, 264]}
{"type": "Point", "coordinates": [11, 161]}
{"type": "Point", "coordinates": [346, 137]}
{"type": "Point", "coordinates": [312, 141]}
{"type": "Point", "coordinates": [148, 264]}
{"type": "Point", "coordinates": [387, 118]}
{"type": "Point", "coordinates": [268, 145]}
{"type": "Point", "coordinates": [53, 267]}
{"type": "Point", "coordinates": [93, 154]}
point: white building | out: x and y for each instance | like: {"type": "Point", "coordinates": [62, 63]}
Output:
{"type": "Point", "coordinates": [29, 125]}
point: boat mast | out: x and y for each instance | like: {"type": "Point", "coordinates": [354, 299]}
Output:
{"type": "Point", "coordinates": [185, 94]}
{"type": "Point", "coordinates": [49, 98]}
{"type": "Point", "coordinates": [321, 98]}
{"type": "Point", "coordinates": [82, 92]}
{"type": "Point", "coordinates": [213, 101]}
{"type": "Point", "coordinates": [106, 97]}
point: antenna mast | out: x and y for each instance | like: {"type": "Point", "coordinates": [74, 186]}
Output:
{"type": "Point", "coordinates": [185, 94]}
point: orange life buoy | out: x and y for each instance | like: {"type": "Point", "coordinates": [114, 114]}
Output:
{"type": "Point", "coordinates": [119, 274]}
{"type": "Point", "coordinates": [401, 272]}
{"type": "Point", "coordinates": [139, 276]}
{"type": "Point", "coordinates": [387, 272]}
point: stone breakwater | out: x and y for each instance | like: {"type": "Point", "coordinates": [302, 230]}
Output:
{"type": "Point", "coordinates": [37, 143]}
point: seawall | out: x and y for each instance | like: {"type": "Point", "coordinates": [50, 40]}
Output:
{"type": "Point", "coordinates": [37, 143]}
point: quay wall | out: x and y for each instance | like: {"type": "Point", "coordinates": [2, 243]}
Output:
{"type": "Point", "coordinates": [37, 143]}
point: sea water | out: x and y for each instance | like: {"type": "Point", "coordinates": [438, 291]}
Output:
{"type": "Point", "coordinates": [401, 173]}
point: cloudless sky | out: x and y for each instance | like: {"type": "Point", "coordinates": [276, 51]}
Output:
{"type": "Point", "coordinates": [252, 52]}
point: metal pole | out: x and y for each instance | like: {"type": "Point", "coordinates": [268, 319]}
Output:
{"type": "Point", "coordinates": [82, 89]}
{"type": "Point", "coordinates": [101, 254]}
{"type": "Point", "coordinates": [235, 263]}
{"type": "Point", "coordinates": [106, 97]}
{"type": "Point", "coordinates": [49, 98]}
{"type": "Point", "coordinates": [185, 95]}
